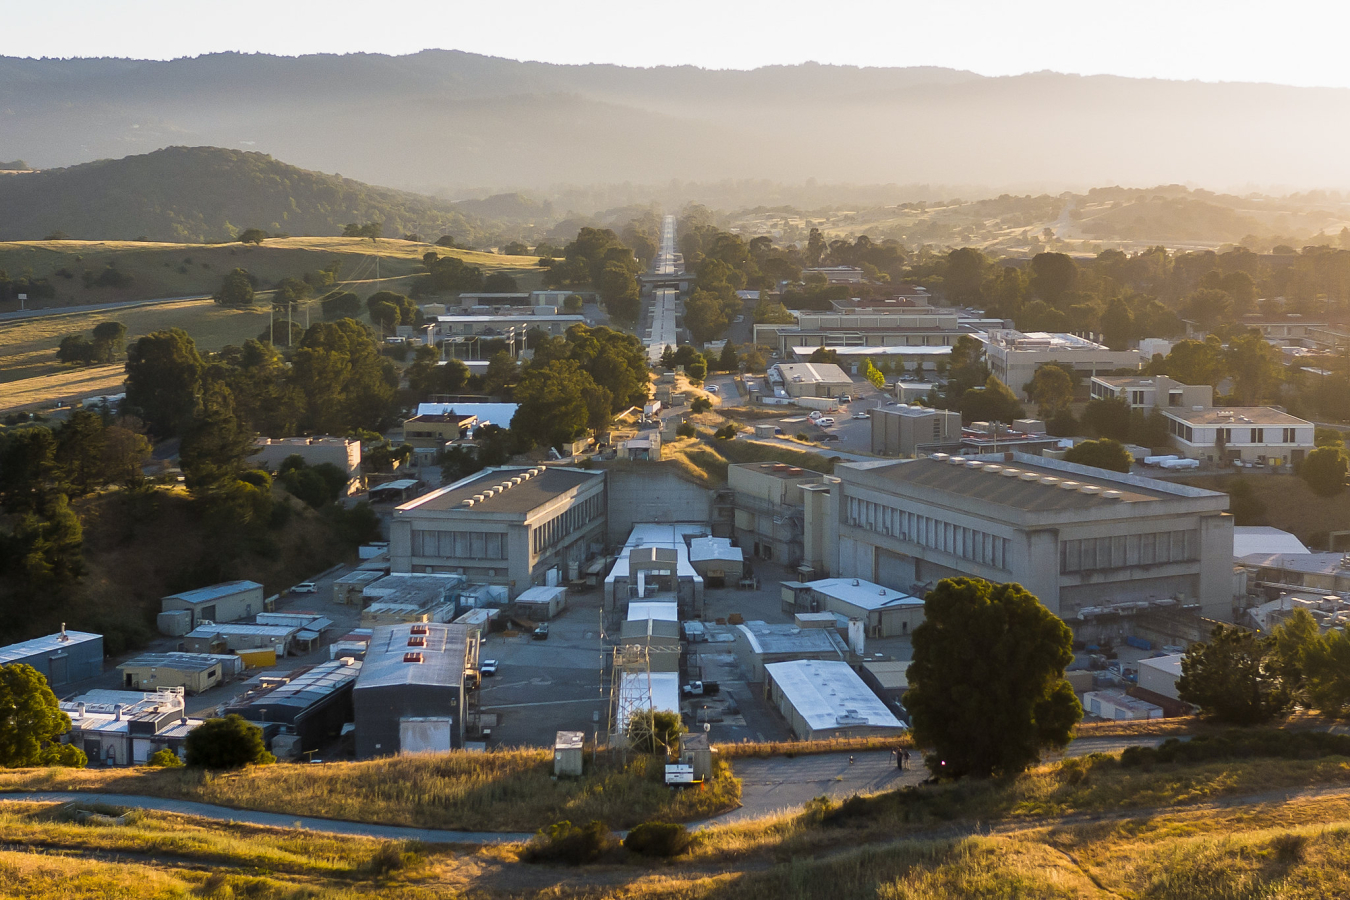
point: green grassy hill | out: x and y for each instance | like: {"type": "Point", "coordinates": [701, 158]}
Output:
{"type": "Point", "coordinates": [208, 193]}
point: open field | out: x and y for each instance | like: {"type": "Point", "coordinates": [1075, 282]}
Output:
{"type": "Point", "coordinates": [179, 270]}
{"type": "Point", "coordinates": [505, 790]}
{"type": "Point", "coordinates": [1089, 828]}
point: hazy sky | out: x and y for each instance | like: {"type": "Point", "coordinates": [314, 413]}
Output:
{"type": "Point", "coordinates": [1294, 42]}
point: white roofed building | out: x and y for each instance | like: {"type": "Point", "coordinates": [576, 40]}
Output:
{"type": "Point", "coordinates": [823, 699]}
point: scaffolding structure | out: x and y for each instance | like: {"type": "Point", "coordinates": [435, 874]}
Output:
{"type": "Point", "coordinates": [631, 666]}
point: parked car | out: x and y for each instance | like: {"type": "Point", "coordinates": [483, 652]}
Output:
{"type": "Point", "coordinates": [740, 319]}
{"type": "Point", "coordinates": [487, 668]}
{"type": "Point", "coordinates": [861, 415]}
{"type": "Point", "coordinates": [305, 587]}
{"type": "Point", "coordinates": [541, 633]}
{"type": "Point", "coordinates": [845, 398]}
{"type": "Point", "coordinates": [711, 388]}
{"type": "Point", "coordinates": [825, 422]}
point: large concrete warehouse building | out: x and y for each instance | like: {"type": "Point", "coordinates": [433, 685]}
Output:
{"type": "Point", "coordinates": [503, 526]}
{"type": "Point", "coordinates": [1077, 537]}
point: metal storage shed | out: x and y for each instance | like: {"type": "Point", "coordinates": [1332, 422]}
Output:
{"type": "Point", "coordinates": [62, 658]}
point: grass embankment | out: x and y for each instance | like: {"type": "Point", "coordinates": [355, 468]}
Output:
{"type": "Point", "coordinates": [47, 854]}
{"type": "Point", "coordinates": [1090, 829]}
{"type": "Point", "coordinates": [504, 790]}
{"type": "Point", "coordinates": [1290, 505]}
{"type": "Point", "coordinates": [707, 462]}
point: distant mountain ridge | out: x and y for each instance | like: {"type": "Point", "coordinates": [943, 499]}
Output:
{"type": "Point", "coordinates": [451, 120]}
{"type": "Point", "coordinates": [208, 193]}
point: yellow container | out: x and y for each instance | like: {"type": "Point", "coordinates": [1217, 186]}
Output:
{"type": "Point", "coordinates": [255, 659]}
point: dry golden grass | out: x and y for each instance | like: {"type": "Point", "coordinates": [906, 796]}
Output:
{"type": "Point", "coordinates": [46, 390]}
{"type": "Point", "coordinates": [504, 790]}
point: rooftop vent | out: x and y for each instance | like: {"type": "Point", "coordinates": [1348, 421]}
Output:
{"type": "Point", "coordinates": [1010, 473]}
{"type": "Point", "coordinates": [993, 468]}
{"type": "Point", "coordinates": [420, 628]}
{"type": "Point", "coordinates": [417, 640]}
{"type": "Point", "coordinates": [1049, 479]}
{"type": "Point", "coordinates": [956, 461]}
{"type": "Point", "coordinates": [941, 457]}
{"type": "Point", "coordinates": [412, 657]}
{"type": "Point", "coordinates": [479, 498]}
{"type": "Point", "coordinates": [973, 464]}
{"type": "Point", "coordinates": [1029, 476]}
{"type": "Point", "coordinates": [467, 503]}
{"type": "Point", "coordinates": [1111, 495]}
{"type": "Point", "coordinates": [1089, 489]}
{"type": "Point", "coordinates": [1068, 485]}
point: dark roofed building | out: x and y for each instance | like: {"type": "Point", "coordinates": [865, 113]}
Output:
{"type": "Point", "coordinates": [309, 708]}
{"type": "Point", "coordinates": [410, 696]}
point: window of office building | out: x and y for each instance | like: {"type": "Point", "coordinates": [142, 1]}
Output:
{"type": "Point", "coordinates": [1125, 550]}
{"type": "Point", "coordinates": [947, 537]}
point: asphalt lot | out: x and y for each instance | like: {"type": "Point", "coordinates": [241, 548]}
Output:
{"type": "Point", "coordinates": [543, 687]}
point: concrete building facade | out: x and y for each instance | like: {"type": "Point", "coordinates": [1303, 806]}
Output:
{"type": "Point", "coordinates": [345, 453]}
{"type": "Point", "coordinates": [1251, 434]}
{"type": "Point", "coordinates": [506, 526]}
{"type": "Point", "coordinates": [1148, 392]}
{"type": "Point", "coordinates": [770, 509]}
{"type": "Point", "coordinates": [809, 380]}
{"type": "Point", "coordinates": [910, 430]}
{"type": "Point", "coordinates": [1014, 357]}
{"type": "Point", "coordinates": [1081, 539]}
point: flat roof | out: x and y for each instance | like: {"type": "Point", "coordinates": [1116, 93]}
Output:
{"type": "Point", "coordinates": [891, 674]}
{"type": "Point", "coordinates": [1235, 416]}
{"type": "Point", "coordinates": [182, 662]}
{"type": "Point", "coordinates": [661, 610]}
{"type": "Point", "coordinates": [863, 594]}
{"type": "Point", "coordinates": [215, 592]}
{"type": "Point", "coordinates": [777, 470]}
{"type": "Point", "coordinates": [890, 350]}
{"type": "Point", "coordinates": [52, 642]}
{"type": "Point", "coordinates": [829, 694]}
{"type": "Point", "coordinates": [1306, 563]}
{"type": "Point", "coordinates": [714, 548]}
{"type": "Point", "coordinates": [538, 485]}
{"type": "Point", "coordinates": [984, 478]}
{"type": "Point", "coordinates": [307, 688]}
{"type": "Point", "coordinates": [909, 411]}
{"type": "Point", "coordinates": [540, 594]}
{"type": "Point", "coordinates": [813, 372]}
{"type": "Point", "coordinates": [237, 628]}
{"type": "Point", "coordinates": [1170, 664]}
{"type": "Point", "coordinates": [441, 418]}
{"type": "Point", "coordinates": [1249, 539]}
{"type": "Point", "coordinates": [1126, 380]}
{"type": "Point", "coordinates": [667, 537]}
{"type": "Point", "coordinates": [771, 639]}
{"type": "Point", "coordinates": [442, 657]}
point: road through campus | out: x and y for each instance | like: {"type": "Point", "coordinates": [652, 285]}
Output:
{"type": "Point", "coordinates": [769, 786]}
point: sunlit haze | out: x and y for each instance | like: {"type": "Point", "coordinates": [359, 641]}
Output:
{"type": "Point", "coordinates": [1297, 43]}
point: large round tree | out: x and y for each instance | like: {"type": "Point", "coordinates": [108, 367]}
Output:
{"type": "Point", "coordinates": [987, 691]}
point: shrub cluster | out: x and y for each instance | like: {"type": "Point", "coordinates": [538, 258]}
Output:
{"type": "Point", "coordinates": [664, 839]}
{"type": "Point", "coordinates": [574, 845]}
{"type": "Point", "coordinates": [1268, 742]}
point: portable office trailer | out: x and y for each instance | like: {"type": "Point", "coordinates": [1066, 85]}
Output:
{"type": "Point", "coordinates": [543, 602]}
{"type": "Point", "coordinates": [62, 658]}
{"type": "Point", "coordinates": [229, 601]}
{"type": "Point", "coordinates": [348, 589]}
{"type": "Point", "coordinates": [174, 622]}
{"type": "Point", "coordinates": [193, 672]}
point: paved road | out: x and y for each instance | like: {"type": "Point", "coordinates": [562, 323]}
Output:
{"type": "Point", "coordinates": [22, 314]}
{"type": "Point", "coordinates": [770, 786]}
{"type": "Point", "coordinates": [275, 820]}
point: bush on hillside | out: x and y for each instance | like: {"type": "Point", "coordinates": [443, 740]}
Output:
{"type": "Point", "coordinates": [574, 845]}
{"type": "Point", "coordinates": [663, 839]}
{"type": "Point", "coordinates": [164, 759]}
{"type": "Point", "coordinates": [1266, 742]}
{"type": "Point", "coordinates": [227, 743]}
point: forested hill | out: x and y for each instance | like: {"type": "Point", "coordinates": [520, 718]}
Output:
{"type": "Point", "coordinates": [207, 193]}
{"type": "Point", "coordinates": [447, 119]}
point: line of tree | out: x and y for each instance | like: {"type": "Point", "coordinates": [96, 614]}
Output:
{"type": "Point", "coordinates": [599, 259]}
{"type": "Point", "coordinates": [107, 344]}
